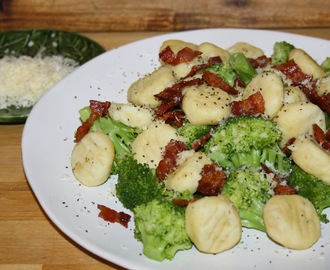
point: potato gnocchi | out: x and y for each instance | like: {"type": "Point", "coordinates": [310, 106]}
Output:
{"type": "Point", "coordinates": [213, 224]}
{"type": "Point", "coordinates": [292, 221]}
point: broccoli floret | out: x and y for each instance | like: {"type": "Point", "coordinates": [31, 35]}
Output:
{"type": "Point", "coordinates": [327, 121]}
{"type": "Point", "coordinates": [224, 71]}
{"type": "Point", "coordinates": [191, 132]}
{"type": "Point", "coordinates": [245, 140]}
{"type": "Point", "coordinates": [248, 190]}
{"type": "Point", "coordinates": [310, 187]}
{"type": "Point", "coordinates": [281, 52]}
{"type": "Point", "coordinates": [160, 226]}
{"type": "Point", "coordinates": [242, 66]}
{"type": "Point", "coordinates": [326, 65]}
{"type": "Point", "coordinates": [121, 135]}
{"type": "Point", "coordinates": [137, 183]}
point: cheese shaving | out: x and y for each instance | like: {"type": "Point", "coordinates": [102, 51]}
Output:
{"type": "Point", "coordinates": [24, 79]}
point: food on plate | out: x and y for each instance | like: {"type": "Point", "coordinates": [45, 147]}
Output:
{"type": "Point", "coordinates": [312, 158]}
{"type": "Point", "coordinates": [218, 139]}
{"type": "Point", "coordinates": [150, 143]}
{"type": "Point", "coordinates": [188, 172]}
{"type": "Point", "coordinates": [272, 90]}
{"type": "Point", "coordinates": [92, 158]}
{"type": "Point", "coordinates": [293, 94]}
{"type": "Point", "coordinates": [297, 119]}
{"type": "Point", "coordinates": [131, 115]}
{"type": "Point", "coordinates": [204, 105]}
{"type": "Point", "coordinates": [247, 49]}
{"type": "Point", "coordinates": [312, 188]}
{"type": "Point", "coordinates": [24, 79]}
{"type": "Point", "coordinates": [213, 224]}
{"type": "Point", "coordinates": [292, 221]}
{"type": "Point", "coordinates": [249, 190]}
{"type": "Point", "coordinates": [306, 63]}
{"type": "Point", "coordinates": [143, 91]}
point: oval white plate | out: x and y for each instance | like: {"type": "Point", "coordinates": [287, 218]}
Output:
{"type": "Point", "coordinates": [48, 140]}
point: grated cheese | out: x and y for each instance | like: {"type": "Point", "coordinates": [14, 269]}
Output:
{"type": "Point", "coordinates": [24, 79]}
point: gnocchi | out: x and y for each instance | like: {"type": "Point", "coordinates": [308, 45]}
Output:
{"type": "Point", "coordinates": [213, 224]}
{"type": "Point", "coordinates": [292, 221]}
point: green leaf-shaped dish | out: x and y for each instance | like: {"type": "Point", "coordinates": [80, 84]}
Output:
{"type": "Point", "coordinates": [49, 42]}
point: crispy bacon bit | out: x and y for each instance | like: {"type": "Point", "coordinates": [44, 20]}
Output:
{"type": "Point", "coordinates": [183, 56]}
{"type": "Point", "coordinates": [183, 202]}
{"type": "Point", "coordinates": [321, 137]}
{"type": "Point", "coordinates": [98, 109]}
{"type": "Point", "coordinates": [238, 82]}
{"type": "Point", "coordinates": [327, 135]}
{"type": "Point", "coordinates": [172, 96]}
{"type": "Point", "coordinates": [113, 216]}
{"type": "Point", "coordinates": [171, 99]}
{"type": "Point", "coordinates": [260, 62]}
{"type": "Point", "coordinates": [253, 105]}
{"type": "Point", "coordinates": [169, 162]}
{"type": "Point", "coordinates": [318, 133]}
{"type": "Point", "coordinates": [174, 118]}
{"type": "Point", "coordinates": [213, 80]}
{"type": "Point", "coordinates": [212, 181]}
{"type": "Point", "coordinates": [211, 61]}
{"type": "Point", "coordinates": [285, 149]}
{"type": "Point", "coordinates": [281, 187]}
{"type": "Point", "coordinates": [305, 84]}
{"type": "Point", "coordinates": [291, 70]}
{"type": "Point", "coordinates": [201, 141]}
{"type": "Point", "coordinates": [322, 101]}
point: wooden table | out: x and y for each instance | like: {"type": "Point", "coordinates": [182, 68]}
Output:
{"type": "Point", "coordinates": [28, 239]}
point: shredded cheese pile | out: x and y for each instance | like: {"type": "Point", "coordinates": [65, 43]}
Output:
{"type": "Point", "coordinates": [24, 79]}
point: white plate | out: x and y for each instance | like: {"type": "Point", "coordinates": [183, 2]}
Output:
{"type": "Point", "coordinates": [48, 140]}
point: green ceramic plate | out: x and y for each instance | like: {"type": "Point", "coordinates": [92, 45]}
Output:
{"type": "Point", "coordinates": [53, 42]}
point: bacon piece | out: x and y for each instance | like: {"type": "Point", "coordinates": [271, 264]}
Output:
{"type": "Point", "coordinates": [183, 202]}
{"type": "Point", "coordinates": [214, 80]}
{"type": "Point", "coordinates": [172, 96]}
{"type": "Point", "coordinates": [321, 137]}
{"type": "Point", "coordinates": [327, 135]}
{"type": "Point", "coordinates": [238, 82]}
{"type": "Point", "coordinates": [322, 101]}
{"type": "Point", "coordinates": [253, 105]}
{"type": "Point", "coordinates": [284, 190]}
{"type": "Point", "coordinates": [281, 187]}
{"type": "Point", "coordinates": [183, 56]}
{"type": "Point", "coordinates": [98, 109]}
{"type": "Point", "coordinates": [212, 181]}
{"type": "Point", "coordinates": [211, 61]}
{"type": "Point", "coordinates": [291, 70]}
{"type": "Point", "coordinates": [113, 216]}
{"type": "Point", "coordinates": [169, 162]}
{"type": "Point", "coordinates": [305, 84]}
{"type": "Point", "coordinates": [318, 133]}
{"type": "Point", "coordinates": [201, 141]}
{"type": "Point", "coordinates": [171, 99]}
{"type": "Point", "coordinates": [285, 149]}
{"type": "Point", "coordinates": [174, 118]}
{"type": "Point", "coordinates": [260, 62]}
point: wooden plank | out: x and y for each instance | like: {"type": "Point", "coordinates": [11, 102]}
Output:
{"type": "Point", "coordinates": [150, 15]}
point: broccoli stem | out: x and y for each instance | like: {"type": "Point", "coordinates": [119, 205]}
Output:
{"type": "Point", "coordinates": [242, 67]}
{"type": "Point", "coordinates": [253, 218]}
{"type": "Point", "coordinates": [153, 247]}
